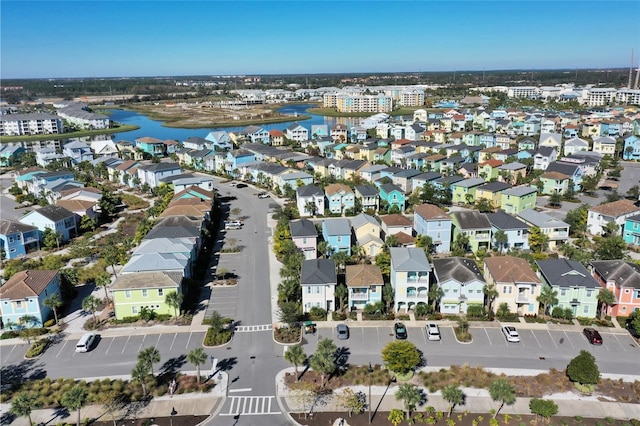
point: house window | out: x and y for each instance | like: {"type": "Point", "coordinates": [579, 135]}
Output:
{"type": "Point", "coordinates": [563, 292]}
{"type": "Point", "coordinates": [160, 292]}
{"type": "Point", "coordinates": [19, 304]}
{"type": "Point", "coordinates": [10, 239]}
{"type": "Point", "coordinates": [636, 294]}
{"type": "Point", "coordinates": [585, 310]}
{"type": "Point", "coordinates": [624, 309]}
{"type": "Point", "coordinates": [127, 294]}
{"type": "Point", "coordinates": [589, 293]}
{"type": "Point", "coordinates": [304, 240]}
{"type": "Point", "coordinates": [134, 310]}
{"type": "Point", "coordinates": [145, 292]}
{"type": "Point", "coordinates": [339, 238]}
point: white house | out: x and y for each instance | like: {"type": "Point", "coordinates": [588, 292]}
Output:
{"type": "Point", "coordinates": [410, 271]}
{"type": "Point", "coordinates": [318, 280]}
{"type": "Point", "coordinates": [153, 173]}
{"type": "Point", "coordinates": [616, 211]}
{"type": "Point", "coordinates": [461, 282]}
{"type": "Point", "coordinates": [308, 196]}
{"type": "Point", "coordinates": [53, 217]}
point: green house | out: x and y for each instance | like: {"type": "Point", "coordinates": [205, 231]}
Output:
{"type": "Point", "coordinates": [132, 292]}
{"type": "Point", "coordinates": [475, 226]}
{"type": "Point", "coordinates": [515, 200]}
{"type": "Point", "coordinates": [464, 192]}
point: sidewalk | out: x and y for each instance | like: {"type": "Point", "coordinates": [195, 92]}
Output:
{"type": "Point", "coordinates": [477, 401]}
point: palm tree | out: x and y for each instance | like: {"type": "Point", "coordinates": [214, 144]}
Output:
{"type": "Point", "coordinates": [502, 390]}
{"type": "Point", "coordinates": [148, 357]}
{"type": "Point", "coordinates": [435, 294]}
{"type": "Point", "coordinates": [174, 300]}
{"type": "Point", "coordinates": [607, 298]}
{"type": "Point", "coordinates": [548, 297]}
{"type": "Point", "coordinates": [91, 304]}
{"type": "Point", "coordinates": [103, 280]}
{"type": "Point", "coordinates": [74, 399]}
{"type": "Point", "coordinates": [491, 293]}
{"type": "Point", "coordinates": [324, 360]}
{"type": "Point", "coordinates": [501, 239]}
{"type": "Point", "coordinates": [296, 356]}
{"type": "Point", "coordinates": [410, 395]}
{"type": "Point", "coordinates": [197, 357]}
{"type": "Point", "coordinates": [324, 249]}
{"type": "Point", "coordinates": [139, 374]}
{"type": "Point", "coordinates": [23, 403]}
{"type": "Point", "coordinates": [453, 395]}
{"type": "Point", "coordinates": [53, 302]}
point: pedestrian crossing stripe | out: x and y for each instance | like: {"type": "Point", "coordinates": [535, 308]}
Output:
{"type": "Point", "coordinates": [251, 406]}
{"type": "Point", "coordinates": [250, 328]}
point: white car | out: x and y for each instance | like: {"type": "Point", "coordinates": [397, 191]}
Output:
{"type": "Point", "coordinates": [511, 334]}
{"type": "Point", "coordinates": [233, 224]}
{"type": "Point", "coordinates": [433, 331]}
{"type": "Point", "coordinates": [263, 195]}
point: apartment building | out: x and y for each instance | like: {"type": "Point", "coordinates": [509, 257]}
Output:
{"type": "Point", "coordinates": [30, 124]}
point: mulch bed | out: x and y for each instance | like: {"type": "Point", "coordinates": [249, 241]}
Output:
{"type": "Point", "coordinates": [160, 421]}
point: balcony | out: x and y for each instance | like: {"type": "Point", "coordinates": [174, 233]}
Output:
{"type": "Point", "coordinates": [523, 298]}
{"type": "Point", "coordinates": [482, 236]}
{"type": "Point", "coordinates": [417, 295]}
{"type": "Point", "coordinates": [359, 296]}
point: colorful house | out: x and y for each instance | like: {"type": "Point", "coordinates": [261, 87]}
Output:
{"type": "Point", "coordinates": [430, 220]}
{"type": "Point", "coordinates": [151, 146]}
{"type": "Point", "coordinates": [17, 239]}
{"type": "Point", "coordinates": [409, 276]}
{"type": "Point", "coordinates": [631, 231]}
{"type": "Point", "coordinates": [623, 279]}
{"type": "Point", "coordinates": [337, 233]}
{"type": "Point", "coordinates": [310, 200]}
{"type": "Point", "coordinates": [489, 169]}
{"type": "Point", "coordinates": [56, 218]}
{"type": "Point", "coordinates": [318, 280]}
{"type": "Point", "coordinates": [464, 192]}
{"type": "Point", "coordinates": [24, 294]}
{"type": "Point", "coordinates": [475, 226]}
{"type": "Point", "coordinates": [556, 230]}
{"type": "Point", "coordinates": [617, 211]}
{"type": "Point", "coordinates": [305, 236]}
{"type": "Point", "coordinates": [461, 283]}
{"type": "Point", "coordinates": [339, 198]}
{"type": "Point", "coordinates": [393, 195]}
{"type": "Point", "coordinates": [554, 183]}
{"type": "Point", "coordinates": [492, 192]}
{"type": "Point", "coordinates": [133, 292]}
{"type": "Point", "coordinates": [519, 198]}
{"type": "Point", "coordinates": [517, 232]}
{"type": "Point", "coordinates": [516, 284]}
{"type": "Point", "coordinates": [364, 283]}
{"type": "Point", "coordinates": [367, 232]}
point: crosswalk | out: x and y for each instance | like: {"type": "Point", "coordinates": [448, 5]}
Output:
{"type": "Point", "coordinates": [250, 328]}
{"type": "Point", "coordinates": [252, 406]}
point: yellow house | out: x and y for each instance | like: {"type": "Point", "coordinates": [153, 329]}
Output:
{"type": "Point", "coordinates": [492, 191]}
{"type": "Point", "coordinates": [605, 145]}
{"type": "Point", "coordinates": [367, 231]}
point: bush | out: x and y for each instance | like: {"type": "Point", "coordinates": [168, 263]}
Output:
{"type": "Point", "coordinates": [339, 316]}
{"type": "Point", "coordinates": [318, 314]}
{"type": "Point", "coordinates": [9, 335]}
{"type": "Point", "coordinates": [422, 310]}
{"type": "Point", "coordinates": [37, 348]}
{"type": "Point", "coordinates": [217, 337]}
{"type": "Point", "coordinates": [583, 369]}
{"type": "Point", "coordinates": [557, 312]}
{"type": "Point", "coordinates": [49, 323]}
{"type": "Point", "coordinates": [475, 312]}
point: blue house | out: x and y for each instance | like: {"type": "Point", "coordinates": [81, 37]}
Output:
{"type": "Point", "coordinates": [9, 153]}
{"type": "Point", "coordinates": [337, 233]}
{"type": "Point", "coordinates": [631, 232]}
{"type": "Point", "coordinates": [430, 220]}
{"type": "Point", "coordinates": [517, 232]}
{"type": "Point", "coordinates": [151, 146]}
{"type": "Point", "coordinates": [631, 149]}
{"type": "Point", "coordinates": [24, 293]}
{"type": "Point", "coordinates": [220, 140]}
{"type": "Point", "coordinates": [17, 239]}
{"type": "Point", "coordinates": [393, 195]}
{"type": "Point", "coordinates": [53, 217]}
{"type": "Point", "coordinates": [237, 158]}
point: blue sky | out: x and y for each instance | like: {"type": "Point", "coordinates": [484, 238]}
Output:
{"type": "Point", "coordinates": [166, 38]}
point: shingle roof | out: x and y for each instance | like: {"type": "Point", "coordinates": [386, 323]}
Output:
{"type": "Point", "coordinates": [494, 186]}
{"type": "Point", "coordinates": [363, 219]}
{"type": "Point", "coordinates": [624, 274]}
{"type": "Point", "coordinates": [156, 262]}
{"type": "Point", "coordinates": [10, 227]}
{"type": "Point", "coordinates": [566, 273]}
{"type": "Point", "coordinates": [363, 275]}
{"type": "Point", "coordinates": [366, 190]}
{"type": "Point", "coordinates": [504, 221]}
{"type": "Point", "coordinates": [616, 208]}
{"type": "Point", "coordinates": [339, 226]}
{"type": "Point", "coordinates": [303, 228]}
{"type": "Point", "coordinates": [308, 191]}
{"type": "Point", "coordinates": [511, 269]}
{"type": "Point", "coordinates": [160, 167]}
{"type": "Point", "coordinates": [395, 220]}
{"type": "Point", "coordinates": [469, 183]}
{"type": "Point", "coordinates": [138, 280]}
{"type": "Point", "coordinates": [409, 259]}
{"type": "Point", "coordinates": [431, 212]}
{"type": "Point", "coordinates": [318, 272]}
{"type": "Point", "coordinates": [541, 220]}
{"type": "Point", "coordinates": [26, 284]}
{"type": "Point", "coordinates": [554, 175]}
{"type": "Point", "coordinates": [472, 220]}
{"type": "Point", "coordinates": [520, 191]}
{"type": "Point", "coordinates": [54, 213]}
{"type": "Point", "coordinates": [564, 168]}
{"type": "Point", "coordinates": [459, 269]}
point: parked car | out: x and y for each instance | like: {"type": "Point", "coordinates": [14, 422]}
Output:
{"type": "Point", "coordinates": [433, 331]}
{"type": "Point", "coordinates": [592, 335]}
{"type": "Point", "coordinates": [241, 185]}
{"type": "Point", "coordinates": [400, 331]}
{"type": "Point", "coordinates": [511, 334]}
{"type": "Point", "coordinates": [233, 224]}
{"type": "Point", "coordinates": [87, 342]}
{"type": "Point", "coordinates": [263, 195]}
{"type": "Point", "coordinates": [343, 331]}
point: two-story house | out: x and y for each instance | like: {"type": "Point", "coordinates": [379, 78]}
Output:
{"type": "Point", "coordinates": [393, 196]}
{"type": "Point", "coordinates": [430, 220]}
{"type": "Point", "coordinates": [152, 174]}
{"type": "Point", "coordinates": [576, 288]}
{"type": "Point", "coordinates": [617, 212]}
{"type": "Point", "coordinates": [573, 145]}
{"type": "Point", "coordinates": [305, 236]}
{"type": "Point", "coordinates": [56, 218]}
{"type": "Point", "coordinates": [556, 230]}
{"type": "Point", "coordinates": [409, 276]}
{"type": "Point", "coordinates": [296, 132]}
{"type": "Point", "coordinates": [220, 140]}
{"type": "Point", "coordinates": [515, 282]}
{"type": "Point", "coordinates": [605, 145]}
{"type": "Point", "coordinates": [514, 200]}
{"type": "Point", "coordinates": [17, 239]}
{"type": "Point", "coordinates": [151, 146]}
{"type": "Point", "coordinates": [475, 226]}
{"type": "Point", "coordinates": [337, 233]}
{"type": "Point", "coordinates": [553, 140]}
{"type": "Point", "coordinates": [310, 200]}
{"type": "Point", "coordinates": [543, 157]}
{"type": "Point", "coordinates": [133, 292]}
{"type": "Point", "coordinates": [492, 192]}
{"type": "Point", "coordinates": [461, 283]}
{"type": "Point", "coordinates": [23, 295]}
{"type": "Point", "coordinates": [368, 197]}
{"type": "Point", "coordinates": [464, 191]}
{"type": "Point", "coordinates": [318, 280]}
{"type": "Point", "coordinates": [364, 283]}
{"type": "Point", "coordinates": [367, 233]}
{"type": "Point", "coordinates": [622, 278]}
{"type": "Point", "coordinates": [77, 152]}
{"type": "Point", "coordinates": [339, 198]}
{"type": "Point", "coordinates": [516, 231]}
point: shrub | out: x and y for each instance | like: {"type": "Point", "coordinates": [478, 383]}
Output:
{"type": "Point", "coordinates": [339, 316]}
{"type": "Point", "coordinates": [557, 312]}
{"type": "Point", "coordinates": [217, 337]}
{"type": "Point", "coordinates": [318, 314]}
{"type": "Point", "coordinates": [583, 369]}
{"type": "Point", "coordinates": [37, 348]}
{"type": "Point", "coordinates": [50, 323]}
{"type": "Point", "coordinates": [422, 310]}
{"type": "Point", "coordinates": [8, 335]}
{"type": "Point", "coordinates": [475, 311]}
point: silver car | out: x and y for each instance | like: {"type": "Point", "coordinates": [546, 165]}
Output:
{"type": "Point", "coordinates": [343, 331]}
{"type": "Point", "coordinates": [433, 331]}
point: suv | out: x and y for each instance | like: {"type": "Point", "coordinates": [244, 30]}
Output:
{"type": "Point", "coordinates": [592, 335]}
{"type": "Point", "coordinates": [233, 224]}
{"type": "Point", "coordinates": [400, 331]}
{"type": "Point", "coordinates": [433, 331]}
{"type": "Point", "coordinates": [343, 331]}
{"type": "Point", "coordinates": [511, 334]}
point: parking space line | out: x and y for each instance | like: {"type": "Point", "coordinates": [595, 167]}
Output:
{"type": "Point", "coordinates": [61, 349]}
{"type": "Point", "coordinates": [125, 343]}
{"type": "Point", "coordinates": [537, 341]}
{"type": "Point", "coordinates": [567, 336]}
{"type": "Point", "coordinates": [156, 345]}
{"type": "Point", "coordinates": [487, 333]}
{"type": "Point", "coordinates": [144, 336]}
{"type": "Point", "coordinates": [13, 348]}
{"type": "Point", "coordinates": [173, 341]}
{"type": "Point", "coordinates": [552, 340]}
{"type": "Point", "coordinates": [109, 347]}
{"type": "Point", "coordinates": [188, 340]}
{"type": "Point", "coordinates": [621, 344]}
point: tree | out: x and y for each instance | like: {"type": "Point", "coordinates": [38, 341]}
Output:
{"type": "Point", "coordinates": [197, 357]}
{"type": "Point", "coordinates": [606, 298]}
{"type": "Point", "coordinates": [391, 241]}
{"type": "Point", "coordinates": [148, 357]}
{"type": "Point", "coordinates": [490, 293]}
{"type": "Point", "coordinates": [503, 391]}
{"type": "Point", "coordinates": [353, 402]}
{"type": "Point", "coordinates": [87, 223]}
{"type": "Point", "coordinates": [583, 369]}
{"type": "Point", "coordinates": [501, 239]}
{"type": "Point", "coordinates": [53, 302]}
{"type": "Point", "coordinates": [296, 356]}
{"type": "Point", "coordinates": [401, 356]}
{"type": "Point", "coordinates": [51, 239]}
{"type": "Point", "coordinates": [289, 290]}
{"type": "Point", "coordinates": [548, 297]}
{"type": "Point", "coordinates": [610, 248]}
{"type": "Point", "coordinates": [410, 395]}
{"type": "Point", "coordinates": [435, 294]}
{"type": "Point", "coordinates": [633, 193]}
{"type": "Point", "coordinates": [484, 205]}
{"type": "Point", "coordinates": [111, 255]}
{"type": "Point", "coordinates": [139, 374]}
{"type": "Point", "coordinates": [23, 403]}
{"type": "Point", "coordinates": [174, 301]}
{"type": "Point", "coordinates": [543, 408]}
{"type": "Point", "coordinates": [324, 360]}
{"type": "Point", "coordinates": [236, 212]}
{"type": "Point", "coordinates": [103, 280]}
{"type": "Point", "coordinates": [538, 241]}
{"type": "Point", "coordinates": [577, 220]}
{"type": "Point", "coordinates": [453, 395]}
{"type": "Point", "coordinates": [426, 242]}
{"type": "Point", "coordinates": [342, 295]}
{"type": "Point", "coordinates": [91, 304]}
{"type": "Point", "coordinates": [289, 313]}
{"type": "Point", "coordinates": [590, 183]}
{"type": "Point", "coordinates": [74, 399]}
{"type": "Point", "coordinates": [324, 249]}
{"type": "Point", "coordinates": [108, 204]}
{"type": "Point", "coordinates": [460, 245]}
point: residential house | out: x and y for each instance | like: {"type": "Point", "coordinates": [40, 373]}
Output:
{"type": "Point", "coordinates": [203, 182]}
{"type": "Point", "coordinates": [512, 172]}
{"type": "Point", "coordinates": [318, 280]}
{"type": "Point", "coordinates": [235, 160]}
{"type": "Point", "coordinates": [489, 169]}
{"type": "Point", "coordinates": [554, 183]}
{"type": "Point", "coordinates": [419, 181]}
{"type": "Point", "coordinates": [364, 283]}
{"type": "Point", "coordinates": [152, 174]}
{"type": "Point", "coordinates": [277, 137]}
{"type": "Point", "coordinates": [339, 132]}
{"type": "Point", "coordinates": [305, 236]}
{"type": "Point", "coordinates": [24, 294]}
{"type": "Point", "coordinates": [631, 149]}
{"type": "Point", "coordinates": [296, 132]}
{"type": "Point", "coordinates": [617, 212]}
{"type": "Point", "coordinates": [46, 156]}
{"type": "Point", "coordinates": [339, 198]}
{"type": "Point", "coordinates": [128, 151]}
{"type": "Point", "coordinates": [622, 278]}
{"type": "Point", "coordinates": [576, 288]}
{"type": "Point", "coordinates": [17, 239]}
{"type": "Point", "coordinates": [77, 152]}
{"type": "Point", "coordinates": [292, 179]}
{"type": "Point", "coordinates": [461, 283]}
{"type": "Point", "coordinates": [631, 231]}
{"type": "Point", "coordinates": [556, 230]}
{"type": "Point", "coordinates": [475, 226]}
{"type": "Point", "coordinates": [368, 197]}
{"type": "Point", "coordinates": [516, 231]}
{"type": "Point", "coordinates": [220, 140]}
{"type": "Point", "coordinates": [464, 192]}
{"type": "Point", "coordinates": [605, 145]}
{"type": "Point", "coordinates": [543, 157]}
{"type": "Point", "coordinates": [367, 233]}
{"type": "Point", "coordinates": [526, 144]}
{"type": "Point", "coordinates": [9, 153]}
{"type": "Point", "coordinates": [410, 277]}
{"type": "Point", "coordinates": [449, 165]}
{"type": "Point", "coordinates": [56, 218]}
{"type": "Point", "coordinates": [310, 200]}
{"type": "Point", "coordinates": [255, 134]}
{"type": "Point", "coordinates": [319, 131]}
{"type": "Point", "coordinates": [337, 233]}
{"type": "Point", "coordinates": [179, 262]}
{"type": "Point", "coordinates": [80, 208]}
{"type": "Point", "coordinates": [133, 292]}
{"type": "Point", "coordinates": [431, 221]}
{"type": "Point", "coordinates": [393, 196]}
{"type": "Point", "coordinates": [197, 143]}
{"type": "Point", "coordinates": [519, 198]}
{"type": "Point", "coordinates": [492, 192]}
{"type": "Point", "coordinates": [553, 140]}
{"type": "Point", "coordinates": [573, 145]}
{"type": "Point", "coordinates": [191, 228]}
{"type": "Point", "coordinates": [515, 282]}
{"type": "Point", "coordinates": [396, 224]}
{"type": "Point", "coordinates": [151, 146]}
{"type": "Point", "coordinates": [433, 163]}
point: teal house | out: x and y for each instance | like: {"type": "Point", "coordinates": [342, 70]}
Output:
{"type": "Point", "coordinates": [631, 233]}
{"type": "Point", "coordinates": [151, 146]}
{"type": "Point", "coordinates": [393, 195]}
{"type": "Point", "coordinates": [23, 296]}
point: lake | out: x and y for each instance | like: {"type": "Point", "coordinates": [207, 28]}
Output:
{"type": "Point", "coordinates": [155, 129]}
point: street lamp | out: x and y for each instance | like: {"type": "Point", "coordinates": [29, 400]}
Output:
{"type": "Point", "coordinates": [370, 402]}
{"type": "Point", "coordinates": [173, 413]}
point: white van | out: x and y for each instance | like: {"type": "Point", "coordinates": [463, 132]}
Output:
{"type": "Point", "coordinates": [86, 342]}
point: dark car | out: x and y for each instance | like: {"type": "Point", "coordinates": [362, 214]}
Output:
{"type": "Point", "coordinates": [592, 336]}
{"type": "Point", "coordinates": [400, 331]}
{"type": "Point", "coordinates": [241, 185]}
{"type": "Point", "coordinates": [343, 331]}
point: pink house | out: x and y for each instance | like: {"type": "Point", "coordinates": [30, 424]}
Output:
{"type": "Point", "coordinates": [305, 236]}
{"type": "Point", "coordinates": [623, 279]}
